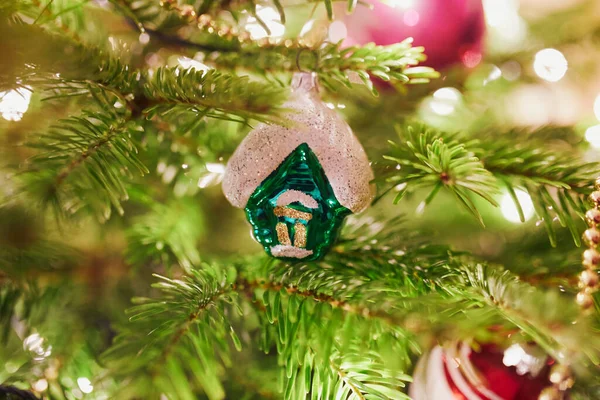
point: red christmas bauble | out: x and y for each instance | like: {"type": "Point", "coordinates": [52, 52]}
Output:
{"type": "Point", "coordinates": [450, 30]}
{"type": "Point", "coordinates": [459, 372]}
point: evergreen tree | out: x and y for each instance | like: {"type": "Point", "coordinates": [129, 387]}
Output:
{"type": "Point", "coordinates": [125, 274]}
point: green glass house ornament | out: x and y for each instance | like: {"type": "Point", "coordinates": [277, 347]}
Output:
{"type": "Point", "coordinates": [298, 182]}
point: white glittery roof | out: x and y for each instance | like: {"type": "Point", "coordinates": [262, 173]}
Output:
{"type": "Point", "coordinates": [326, 133]}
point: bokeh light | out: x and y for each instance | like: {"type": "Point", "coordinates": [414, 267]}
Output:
{"type": "Point", "coordinates": [35, 344]}
{"type": "Point", "coordinates": [272, 20]}
{"type": "Point", "coordinates": [507, 27]}
{"type": "Point", "coordinates": [509, 208]}
{"type": "Point", "coordinates": [445, 100]}
{"type": "Point", "coordinates": [592, 135]}
{"type": "Point", "coordinates": [550, 65]}
{"type": "Point", "coordinates": [511, 70]}
{"type": "Point", "coordinates": [411, 17]}
{"type": "Point", "coordinates": [40, 385]}
{"type": "Point", "coordinates": [85, 385]}
{"type": "Point", "coordinates": [14, 103]}
{"type": "Point", "coordinates": [214, 175]}
{"type": "Point", "coordinates": [144, 38]}
{"type": "Point", "coordinates": [187, 62]}
{"type": "Point", "coordinates": [597, 107]}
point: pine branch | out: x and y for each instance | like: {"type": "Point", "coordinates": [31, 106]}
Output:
{"type": "Point", "coordinates": [556, 182]}
{"type": "Point", "coordinates": [186, 330]}
{"type": "Point", "coordinates": [82, 164]}
{"type": "Point", "coordinates": [211, 94]}
{"type": "Point", "coordinates": [328, 353]}
{"type": "Point", "coordinates": [317, 312]}
{"type": "Point", "coordinates": [44, 254]}
{"type": "Point", "coordinates": [28, 248]}
{"type": "Point", "coordinates": [174, 325]}
{"type": "Point", "coordinates": [367, 377]}
{"type": "Point", "coordinates": [172, 91]}
{"type": "Point", "coordinates": [545, 316]}
{"type": "Point", "coordinates": [459, 298]}
{"type": "Point", "coordinates": [206, 17]}
{"type": "Point", "coordinates": [43, 340]}
{"type": "Point", "coordinates": [37, 55]}
{"type": "Point", "coordinates": [335, 65]}
{"type": "Point", "coordinates": [532, 257]}
{"type": "Point", "coordinates": [92, 152]}
{"type": "Point", "coordinates": [167, 233]}
{"type": "Point", "coordinates": [462, 306]}
{"type": "Point", "coordinates": [111, 83]}
{"type": "Point", "coordinates": [464, 166]}
{"type": "Point", "coordinates": [429, 158]}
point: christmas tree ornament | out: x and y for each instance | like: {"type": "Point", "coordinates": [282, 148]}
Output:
{"type": "Point", "coordinates": [450, 30]}
{"type": "Point", "coordinates": [461, 372]}
{"type": "Point", "coordinates": [298, 182]}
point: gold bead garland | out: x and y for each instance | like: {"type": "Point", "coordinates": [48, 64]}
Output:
{"type": "Point", "coordinates": [589, 282]}
{"type": "Point", "coordinates": [207, 23]}
{"type": "Point", "coordinates": [561, 379]}
{"type": "Point", "coordinates": [550, 393]}
{"type": "Point", "coordinates": [588, 279]}
{"type": "Point", "coordinates": [204, 21]}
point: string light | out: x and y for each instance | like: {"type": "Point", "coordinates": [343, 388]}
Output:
{"type": "Point", "coordinates": [509, 208]}
{"type": "Point", "coordinates": [14, 103]}
{"type": "Point", "coordinates": [445, 100]}
{"type": "Point", "coordinates": [272, 20]}
{"type": "Point", "coordinates": [85, 385]}
{"type": "Point", "coordinates": [550, 65]}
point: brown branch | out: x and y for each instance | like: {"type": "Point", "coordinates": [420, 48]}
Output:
{"type": "Point", "coordinates": [181, 332]}
{"type": "Point", "coordinates": [60, 178]}
{"type": "Point", "coordinates": [346, 380]}
{"type": "Point", "coordinates": [243, 285]}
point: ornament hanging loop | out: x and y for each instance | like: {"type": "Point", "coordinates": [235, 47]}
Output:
{"type": "Point", "coordinates": [314, 52]}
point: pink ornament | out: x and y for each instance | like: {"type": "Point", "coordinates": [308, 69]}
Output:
{"type": "Point", "coordinates": [458, 372]}
{"type": "Point", "coordinates": [450, 30]}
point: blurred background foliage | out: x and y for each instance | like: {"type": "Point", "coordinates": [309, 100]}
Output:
{"type": "Point", "coordinates": [520, 142]}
